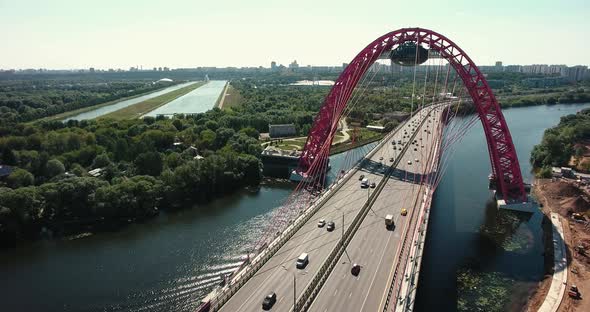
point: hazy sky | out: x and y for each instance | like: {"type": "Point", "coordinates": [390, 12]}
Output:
{"type": "Point", "coordinates": [190, 33]}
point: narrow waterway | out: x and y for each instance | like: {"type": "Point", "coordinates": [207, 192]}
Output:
{"type": "Point", "coordinates": [199, 100]}
{"type": "Point", "coordinates": [171, 262]}
{"type": "Point", "coordinates": [122, 104]}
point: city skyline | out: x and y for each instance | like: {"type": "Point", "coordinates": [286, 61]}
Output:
{"type": "Point", "coordinates": [68, 34]}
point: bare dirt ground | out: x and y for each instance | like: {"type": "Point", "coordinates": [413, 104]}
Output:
{"type": "Point", "coordinates": [565, 198]}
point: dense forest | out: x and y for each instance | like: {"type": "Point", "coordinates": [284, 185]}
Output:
{"type": "Point", "coordinates": [566, 140]}
{"type": "Point", "coordinates": [143, 165]}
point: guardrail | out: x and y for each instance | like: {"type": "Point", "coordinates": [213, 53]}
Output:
{"type": "Point", "coordinates": [306, 299]}
{"type": "Point", "coordinates": [249, 270]}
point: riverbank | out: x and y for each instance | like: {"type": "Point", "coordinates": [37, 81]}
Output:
{"type": "Point", "coordinates": [144, 107]}
{"type": "Point", "coordinates": [564, 198]}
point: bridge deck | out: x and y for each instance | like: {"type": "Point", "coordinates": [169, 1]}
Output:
{"type": "Point", "coordinates": [374, 247]}
{"type": "Point", "coordinates": [378, 245]}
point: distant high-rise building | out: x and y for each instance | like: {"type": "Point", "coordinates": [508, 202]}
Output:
{"type": "Point", "coordinates": [273, 65]}
{"type": "Point", "coordinates": [513, 68]}
{"type": "Point", "coordinates": [294, 65]}
{"type": "Point", "coordinates": [499, 67]}
{"type": "Point", "coordinates": [576, 73]}
{"type": "Point", "coordinates": [91, 69]}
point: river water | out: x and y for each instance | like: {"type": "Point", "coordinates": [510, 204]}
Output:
{"type": "Point", "coordinates": [122, 104]}
{"type": "Point", "coordinates": [171, 262]}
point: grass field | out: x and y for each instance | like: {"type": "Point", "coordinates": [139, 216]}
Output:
{"type": "Point", "coordinates": [232, 98]}
{"type": "Point", "coordinates": [142, 108]}
{"type": "Point", "coordinates": [365, 137]}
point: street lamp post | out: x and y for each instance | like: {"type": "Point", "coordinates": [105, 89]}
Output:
{"type": "Point", "coordinates": [294, 288]}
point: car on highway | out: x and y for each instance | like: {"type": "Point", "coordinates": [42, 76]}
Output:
{"type": "Point", "coordinates": [355, 270]}
{"type": "Point", "coordinates": [415, 149]}
{"type": "Point", "coordinates": [361, 177]}
{"type": "Point", "coordinates": [409, 162]}
{"type": "Point", "coordinates": [365, 183]}
{"type": "Point", "coordinates": [391, 159]}
{"type": "Point", "coordinates": [331, 226]}
{"type": "Point", "coordinates": [302, 261]}
{"type": "Point", "coordinates": [321, 223]}
{"type": "Point", "coordinates": [380, 158]}
{"type": "Point", "coordinates": [404, 211]}
{"type": "Point", "coordinates": [269, 301]}
{"type": "Point", "coordinates": [416, 160]}
{"type": "Point", "coordinates": [373, 185]}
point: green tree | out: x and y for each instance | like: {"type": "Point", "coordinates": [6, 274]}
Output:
{"type": "Point", "coordinates": [20, 178]}
{"type": "Point", "coordinates": [149, 163]}
{"type": "Point", "coordinates": [101, 161]}
{"type": "Point", "coordinates": [54, 168]}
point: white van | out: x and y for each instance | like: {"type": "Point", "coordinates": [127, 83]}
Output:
{"type": "Point", "coordinates": [302, 261]}
{"type": "Point", "coordinates": [365, 183]}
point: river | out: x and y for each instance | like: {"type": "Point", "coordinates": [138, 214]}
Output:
{"type": "Point", "coordinates": [169, 263]}
{"type": "Point", "coordinates": [122, 104]}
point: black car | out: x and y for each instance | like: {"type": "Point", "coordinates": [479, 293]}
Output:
{"type": "Point", "coordinates": [355, 270]}
{"type": "Point", "coordinates": [269, 301]}
{"type": "Point", "coordinates": [330, 226]}
{"type": "Point", "coordinates": [373, 185]}
{"type": "Point", "coordinates": [361, 177]}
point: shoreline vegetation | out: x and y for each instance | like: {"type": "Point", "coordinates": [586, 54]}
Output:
{"type": "Point", "coordinates": [565, 145]}
{"type": "Point", "coordinates": [139, 109]}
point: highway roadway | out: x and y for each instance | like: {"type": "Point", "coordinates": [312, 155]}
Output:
{"type": "Point", "coordinates": [278, 273]}
{"type": "Point", "coordinates": [374, 247]}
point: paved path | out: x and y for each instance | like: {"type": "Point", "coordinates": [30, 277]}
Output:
{"type": "Point", "coordinates": [559, 281]}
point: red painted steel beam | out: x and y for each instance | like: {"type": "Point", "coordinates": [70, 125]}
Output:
{"type": "Point", "coordinates": [503, 158]}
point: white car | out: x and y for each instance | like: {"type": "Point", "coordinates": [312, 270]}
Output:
{"type": "Point", "coordinates": [409, 162]}
{"type": "Point", "coordinates": [416, 160]}
{"type": "Point", "coordinates": [321, 223]}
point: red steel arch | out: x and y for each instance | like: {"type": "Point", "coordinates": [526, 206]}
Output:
{"type": "Point", "coordinates": [505, 166]}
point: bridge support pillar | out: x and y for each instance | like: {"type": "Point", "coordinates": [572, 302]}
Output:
{"type": "Point", "coordinates": [529, 206]}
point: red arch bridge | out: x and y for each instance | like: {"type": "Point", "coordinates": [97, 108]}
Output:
{"type": "Point", "coordinates": [378, 204]}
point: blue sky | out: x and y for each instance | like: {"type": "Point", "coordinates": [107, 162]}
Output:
{"type": "Point", "coordinates": [189, 33]}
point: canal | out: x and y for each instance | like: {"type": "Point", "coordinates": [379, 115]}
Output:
{"type": "Point", "coordinates": [122, 104]}
{"type": "Point", "coordinates": [171, 262]}
{"type": "Point", "coordinates": [199, 100]}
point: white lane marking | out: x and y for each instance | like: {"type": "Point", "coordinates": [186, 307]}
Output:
{"type": "Point", "coordinates": [376, 271]}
